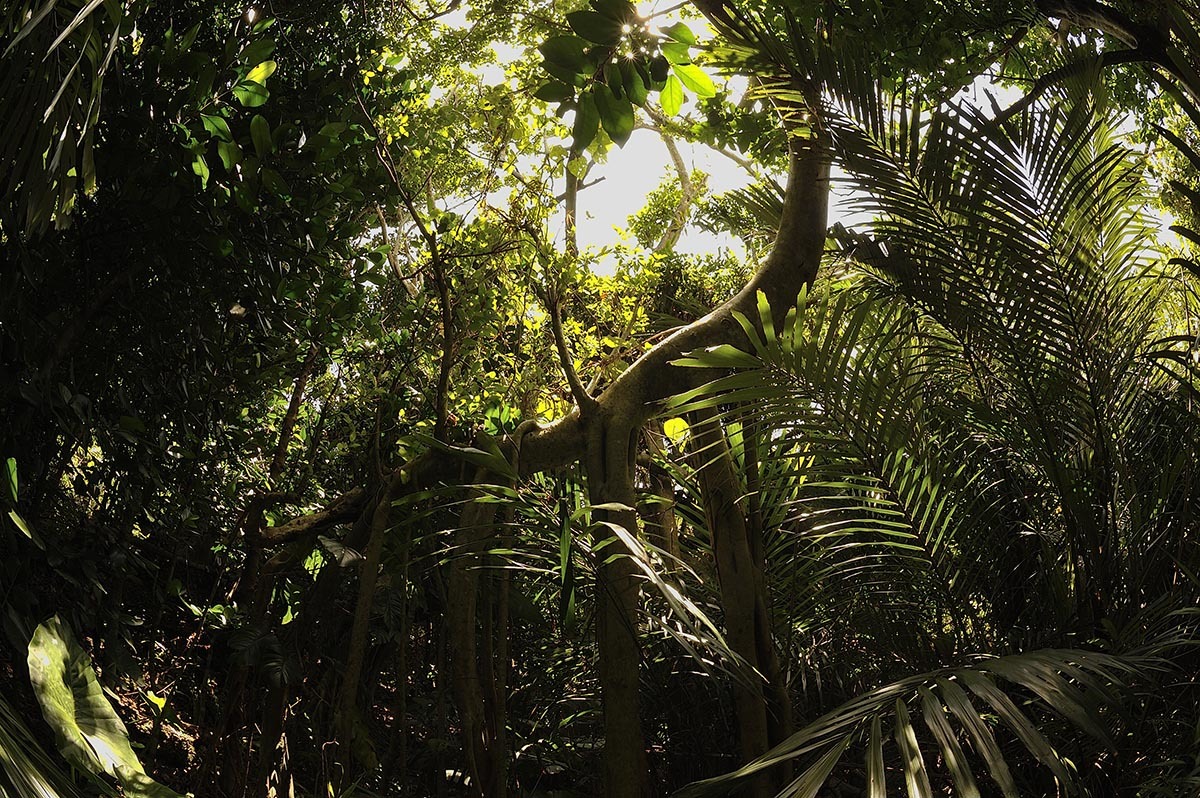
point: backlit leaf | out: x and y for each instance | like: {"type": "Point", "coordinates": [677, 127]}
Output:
{"type": "Point", "coordinates": [616, 114]}
{"type": "Point", "coordinates": [587, 122]}
{"type": "Point", "coordinates": [261, 72]}
{"type": "Point", "coordinates": [595, 27]}
{"type": "Point", "coordinates": [672, 96]}
{"type": "Point", "coordinates": [695, 79]}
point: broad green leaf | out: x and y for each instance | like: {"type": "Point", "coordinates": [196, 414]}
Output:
{"type": "Point", "coordinates": [681, 33]}
{"type": "Point", "coordinates": [89, 733]}
{"type": "Point", "coordinates": [637, 89]}
{"type": "Point", "coordinates": [676, 429]}
{"type": "Point", "coordinates": [251, 94]}
{"type": "Point", "coordinates": [566, 52]}
{"type": "Point", "coordinates": [274, 182]}
{"type": "Point", "coordinates": [29, 771]}
{"type": "Point", "coordinates": [200, 168]}
{"type": "Point", "coordinates": [131, 424]}
{"type": "Point", "coordinates": [261, 72]}
{"type": "Point", "coordinates": [722, 356]}
{"type": "Point", "coordinates": [616, 114]}
{"type": "Point", "coordinates": [595, 27]}
{"type": "Point", "coordinates": [613, 79]}
{"type": "Point", "coordinates": [659, 69]}
{"type": "Point", "coordinates": [257, 51]}
{"type": "Point", "coordinates": [619, 10]}
{"type": "Point", "coordinates": [230, 152]}
{"type": "Point", "coordinates": [217, 127]}
{"type": "Point", "coordinates": [260, 134]}
{"type": "Point", "coordinates": [695, 79]}
{"type": "Point", "coordinates": [587, 122]}
{"type": "Point", "coordinates": [188, 38]}
{"type": "Point", "coordinates": [572, 77]}
{"type": "Point", "coordinates": [676, 53]}
{"type": "Point", "coordinates": [554, 91]}
{"type": "Point", "coordinates": [672, 96]}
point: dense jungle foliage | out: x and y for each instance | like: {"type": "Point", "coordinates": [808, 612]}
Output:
{"type": "Point", "coordinates": [333, 464]}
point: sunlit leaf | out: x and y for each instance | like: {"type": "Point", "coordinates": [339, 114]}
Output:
{"type": "Point", "coordinates": [695, 79]}
{"type": "Point", "coordinates": [616, 114]}
{"type": "Point", "coordinates": [261, 72]}
{"type": "Point", "coordinates": [672, 96]}
{"type": "Point", "coordinates": [595, 27]}
{"type": "Point", "coordinates": [90, 734]}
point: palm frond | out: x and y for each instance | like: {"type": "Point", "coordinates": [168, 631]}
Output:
{"type": "Point", "coordinates": [54, 59]}
{"type": "Point", "coordinates": [963, 710]}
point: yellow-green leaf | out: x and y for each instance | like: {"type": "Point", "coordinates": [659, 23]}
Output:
{"type": "Point", "coordinates": [694, 78]}
{"type": "Point", "coordinates": [672, 96]}
{"type": "Point", "coordinates": [261, 72]}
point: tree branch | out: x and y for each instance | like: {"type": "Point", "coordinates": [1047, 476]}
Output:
{"type": "Point", "coordinates": [343, 509]}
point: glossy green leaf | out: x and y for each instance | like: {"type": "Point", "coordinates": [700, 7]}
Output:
{"type": "Point", "coordinates": [257, 51]}
{"type": "Point", "coordinates": [261, 72]}
{"type": "Point", "coordinates": [89, 733]}
{"type": "Point", "coordinates": [595, 27]}
{"type": "Point", "coordinates": [200, 169]}
{"type": "Point", "coordinates": [554, 91]}
{"type": "Point", "coordinates": [672, 96]}
{"type": "Point", "coordinates": [217, 127]}
{"type": "Point", "coordinates": [613, 79]}
{"type": "Point", "coordinates": [695, 79]}
{"type": "Point", "coordinates": [616, 114]}
{"type": "Point", "coordinates": [681, 33]}
{"type": "Point", "coordinates": [20, 524]}
{"type": "Point", "coordinates": [230, 154]}
{"type": "Point", "coordinates": [566, 52]}
{"type": "Point", "coordinates": [587, 122]}
{"type": "Point", "coordinates": [676, 53]}
{"type": "Point", "coordinates": [637, 84]}
{"type": "Point", "coordinates": [659, 69]}
{"type": "Point", "coordinates": [722, 356]}
{"type": "Point", "coordinates": [260, 134]}
{"type": "Point", "coordinates": [251, 94]}
{"type": "Point", "coordinates": [619, 10]}
{"type": "Point", "coordinates": [272, 181]}
{"type": "Point", "coordinates": [27, 770]}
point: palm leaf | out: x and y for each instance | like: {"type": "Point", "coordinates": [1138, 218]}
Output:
{"type": "Point", "coordinates": [1083, 674]}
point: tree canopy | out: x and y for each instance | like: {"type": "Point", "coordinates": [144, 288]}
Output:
{"type": "Point", "coordinates": [333, 464]}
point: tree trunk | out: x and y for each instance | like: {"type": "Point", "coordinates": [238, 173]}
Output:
{"type": "Point", "coordinates": [462, 611]}
{"type": "Point", "coordinates": [609, 464]}
{"type": "Point", "coordinates": [740, 578]}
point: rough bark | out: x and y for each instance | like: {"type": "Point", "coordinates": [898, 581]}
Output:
{"type": "Point", "coordinates": [475, 526]}
{"type": "Point", "coordinates": [740, 578]}
{"type": "Point", "coordinates": [609, 463]}
{"type": "Point", "coordinates": [344, 720]}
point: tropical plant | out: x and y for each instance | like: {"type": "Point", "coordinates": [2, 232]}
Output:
{"type": "Point", "coordinates": [966, 430]}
